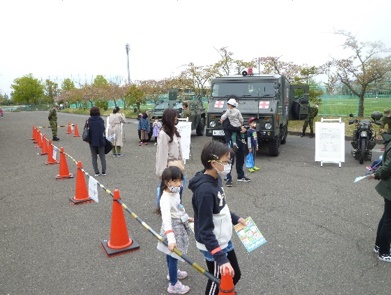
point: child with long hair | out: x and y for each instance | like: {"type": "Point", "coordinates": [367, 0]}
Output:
{"type": "Point", "coordinates": [175, 227]}
{"type": "Point", "coordinates": [168, 152]}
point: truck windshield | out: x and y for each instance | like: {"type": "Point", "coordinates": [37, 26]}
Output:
{"type": "Point", "coordinates": [243, 89]}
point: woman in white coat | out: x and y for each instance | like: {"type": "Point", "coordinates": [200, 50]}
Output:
{"type": "Point", "coordinates": [115, 131]}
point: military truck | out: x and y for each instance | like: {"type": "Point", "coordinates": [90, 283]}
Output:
{"type": "Point", "coordinates": [268, 98]}
{"type": "Point", "coordinates": [195, 112]}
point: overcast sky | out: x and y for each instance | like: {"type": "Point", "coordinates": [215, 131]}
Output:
{"type": "Point", "coordinates": [80, 39]}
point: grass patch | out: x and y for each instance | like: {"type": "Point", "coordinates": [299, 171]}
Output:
{"type": "Point", "coordinates": [342, 106]}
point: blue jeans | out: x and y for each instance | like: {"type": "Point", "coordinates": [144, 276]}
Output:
{"type": "Point", "coordinates": [172, 264]}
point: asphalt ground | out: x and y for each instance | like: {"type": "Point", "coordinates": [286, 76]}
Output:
{"type": "Point", "coordinates": [319, 225]}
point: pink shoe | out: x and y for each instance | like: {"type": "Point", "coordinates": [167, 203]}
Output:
{"type": "Point", "coordinates": [146, 143]}
{"type": "Point", "coordinates": [140, 143]}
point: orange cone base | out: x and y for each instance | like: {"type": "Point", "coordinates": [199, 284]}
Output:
{"type": "Point", "coordinates": [70, 175]}
{"type": "Point", "coordinates": [110, 251]}
{"type": "Point", "coordinates": [83, 201]}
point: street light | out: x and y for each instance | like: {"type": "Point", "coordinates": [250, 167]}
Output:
{"type": "Point", "coordinates": [127, 47]}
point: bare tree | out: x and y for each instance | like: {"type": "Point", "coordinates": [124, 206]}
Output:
{"type": "Point", "coordinates": [367, 64]}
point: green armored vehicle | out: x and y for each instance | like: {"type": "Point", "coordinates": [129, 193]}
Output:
{"type": "Point", "coordinates": [268, 98]}
{"type": "Point", "coordinates": [195, 112]}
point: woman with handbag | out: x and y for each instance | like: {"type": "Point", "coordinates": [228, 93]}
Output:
{"type": "Point", "coordinates": [97, 140]}
{"type": "Point", "coordinates": [168, 151]}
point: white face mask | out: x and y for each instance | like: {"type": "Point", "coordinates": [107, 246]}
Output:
{"type": "Point", "coordinates": [174, 189]}
{"type": "Point", "coordinates": [226, 170]}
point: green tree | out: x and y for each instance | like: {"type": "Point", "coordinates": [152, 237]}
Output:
{"type": "Point", "coordinates": [100, 81]}
{"type": "Point", "coordinates": [50, 91]}
{"type": "Point", "coordinates": [67, 85]}
{"type": "Point", "coordinates": [27, 90]}
{"type": "Point", "coordinates": [134, 96]}
{"type": "Point", "coordinates": [4, 99]}
{"type": "Point", "coordinates": [366, 65]}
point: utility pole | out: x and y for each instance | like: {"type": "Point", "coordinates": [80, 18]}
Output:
{"type": "Point", "coordinates": [127, 47]}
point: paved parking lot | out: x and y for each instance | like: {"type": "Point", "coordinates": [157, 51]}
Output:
{"type": "Point", "coordinates": [319, 226]}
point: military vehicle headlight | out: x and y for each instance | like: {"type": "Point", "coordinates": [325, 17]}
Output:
{"type": "Point", "coordinates": [268, 126]}
{"type": "Point", "coordinates": [212, 124]}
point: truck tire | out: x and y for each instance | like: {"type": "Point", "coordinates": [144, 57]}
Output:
{"type": "Point", "coordinates": [274, 147]}
{"type": "Point", "coordinates": [284, 133]}
{"type": "Point", "coordinates": [201, 127]}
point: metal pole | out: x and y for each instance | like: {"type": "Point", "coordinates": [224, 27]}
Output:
{"type": "Point", "coordinates": [259, 65]}
{"type": "Point", "coordinates": [127, 47]}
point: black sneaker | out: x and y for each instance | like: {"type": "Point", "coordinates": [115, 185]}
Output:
{"type": "Point", "coordinates": [97, 174]}
{"type": "Point", "coordinates": [228, 183]}
{"type": "Point", "coordinates": [103, 173]}
{"type": "Point", "coordinates": [385, 257]}
{"type": "Point", "coordinates": [56, 138]}
{"type": "Point", "coordinates": [376, 249]}
{"type": "Point", "coordinates": [244, 179]}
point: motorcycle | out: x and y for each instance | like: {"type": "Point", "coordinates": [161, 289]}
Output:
{"type": "Point", "coordinates": [364, 137]}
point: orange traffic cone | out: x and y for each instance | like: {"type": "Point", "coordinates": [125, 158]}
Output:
{"type": "Point", "coordinates": [81, 194]}
{"type": "Point", "coordinates": [50, 159]}
{"type": "Point", "coordinates": [44, 149]}
{"type": "Point", "coordinates": [226, 285]}
{"type": "Point", "coordinates": [39, 140]}
{"type": "Point", "coordinates": [33, 133]}
{"type": "Point", "coordinates": [119, 239]}
{"type": "Point", "coordinates": [69, 131]}
{"type": "Point", "coordinates": [76, 131]}
{"type": "Point", "coordinates": [64, 171]}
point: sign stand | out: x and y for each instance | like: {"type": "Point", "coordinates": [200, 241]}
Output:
{"type": "Point", "coordinates": [184, 129]}
{"type": "Point", "coordinates": [330, 141]}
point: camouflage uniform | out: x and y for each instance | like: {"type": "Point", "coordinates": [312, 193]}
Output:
{"type": "Point", "coordinates": [53, 122]}
{"type": "Point", "coordinates": [313, 112]}
{"type": "Point", "coordinates": [386, 120]}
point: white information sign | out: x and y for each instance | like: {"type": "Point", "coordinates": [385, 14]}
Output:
{"type": "Point", "coordinates": [54, 155]}
{"type": "Point", "coordinates": [330, 141]}
{"type": "Point", "coordinates": [184, 129]}
{"type": "Point", "coordinates": [93, 189]}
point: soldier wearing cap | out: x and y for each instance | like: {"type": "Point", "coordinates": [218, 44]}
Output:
{"type": "Point", "coordinates": [53, 122]}
{"type": "Point", "coordinates": [386, 120]}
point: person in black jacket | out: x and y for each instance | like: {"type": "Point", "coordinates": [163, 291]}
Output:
{"type": "Point", "coordinates": [213, 221]}
{"type": "Point", "coordinates": [97, 141]}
